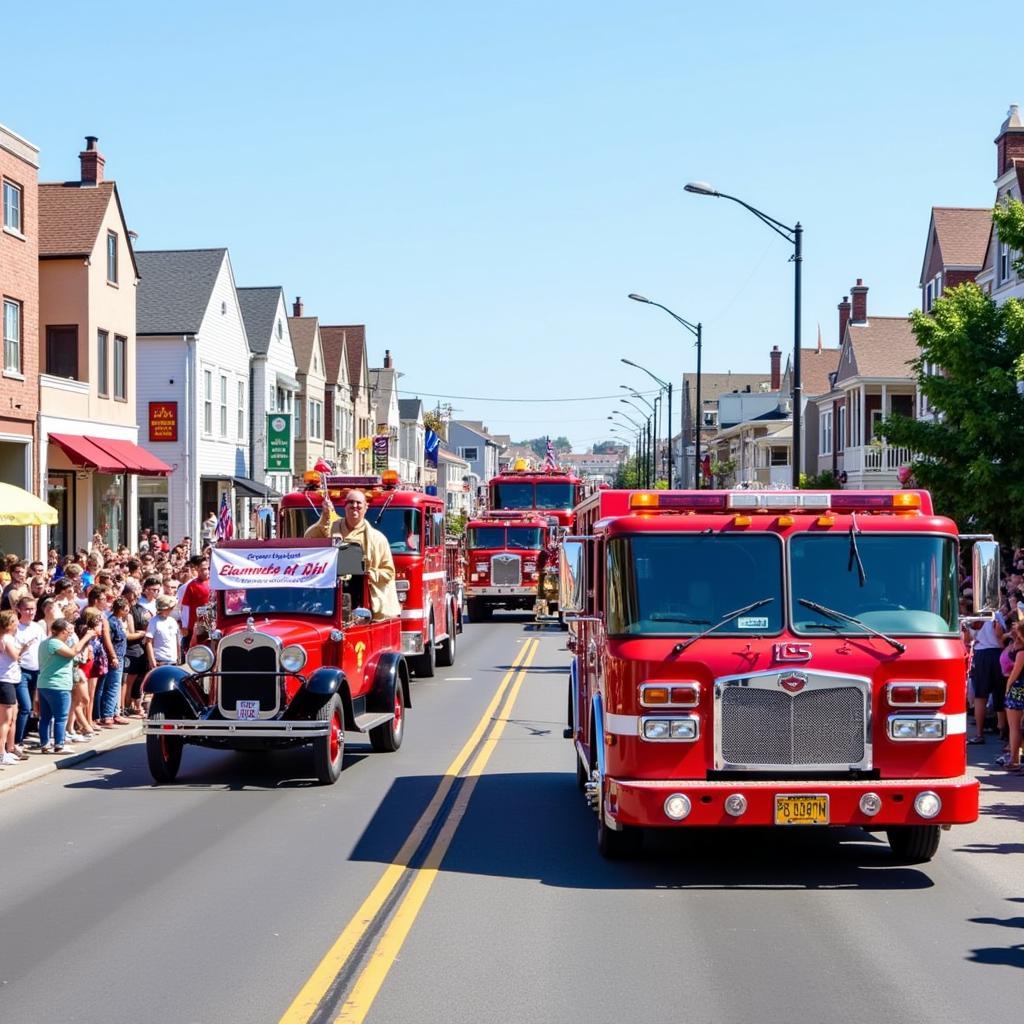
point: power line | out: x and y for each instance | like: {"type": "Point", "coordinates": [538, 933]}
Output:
{"type": "Point", "coordinates": [521, 401]}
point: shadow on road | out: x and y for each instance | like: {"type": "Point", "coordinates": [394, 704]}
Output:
{"type": "Point", "coordinates": [536, 826]}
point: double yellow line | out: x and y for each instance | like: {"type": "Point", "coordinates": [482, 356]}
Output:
{"type": "Point", "coordinates": [371, 978]}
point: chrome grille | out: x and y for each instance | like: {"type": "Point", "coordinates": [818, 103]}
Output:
{"type": "Point", "coordinates": [248, 672]}
{"type": "Point", "coordinates": [759, 724]}
{"type": "Point", "coordinates": [506, 570]}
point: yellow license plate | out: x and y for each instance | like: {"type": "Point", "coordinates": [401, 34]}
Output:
{"type": "Point", "coordinates": [806, 809]}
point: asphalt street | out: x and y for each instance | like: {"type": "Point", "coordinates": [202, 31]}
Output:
{"type": "Point", "coordinates": [246, 893]}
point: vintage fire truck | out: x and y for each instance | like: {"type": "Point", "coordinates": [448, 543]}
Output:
{"type": "Point", "coordinates": [551, 492]}
{"type": "Point", "coordinates": [292, 658]}
{"type": "Point", "coordinates": [772, 658]}
{"type": "Point", "coordinates": [502, 552]}
{"type": "Point", "coordinates": [413, 522]}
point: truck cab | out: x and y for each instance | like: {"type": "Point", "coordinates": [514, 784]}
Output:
{"type": "Point", "coordinates": [292, 657]}
{"type": "Point", "coordinates": [502, 551]}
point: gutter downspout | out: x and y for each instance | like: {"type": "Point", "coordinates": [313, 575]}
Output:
{"type": "Point", "coordinates": [191, 524]}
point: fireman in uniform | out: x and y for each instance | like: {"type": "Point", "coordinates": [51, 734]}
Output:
{"type": "Point", "coordinates": [380, 566]}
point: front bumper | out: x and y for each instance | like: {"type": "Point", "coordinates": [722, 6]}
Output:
{"type": "Point", "coordinates": [501, 591]}
{"type": "Point", "coordinates": [641, 802]}
{"type": "Point", "coordinates": [232, 729]}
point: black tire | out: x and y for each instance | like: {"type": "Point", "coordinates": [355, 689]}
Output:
{"type": "Point", "coordinates": [423, 665]}
{"type": "Point", "coordinates": [914, 844]}
{"type": "Point", "coordinates": [329, 750]}
{"type": "Point", "coordinates": [446, 652]}
{"type": "Point", "coordinates": [387, 738]}
{"type": "Point", "coordinates": [479, 610]}
{"type": "Point", "coordinates": [162, 752]}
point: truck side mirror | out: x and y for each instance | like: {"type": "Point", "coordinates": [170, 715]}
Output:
{"type": "Point", "coordinates": [572, 577]}
{"type": "Point", "coordinates": [985, 577]}
{"type": "Point", "coordinates": [362, 615]}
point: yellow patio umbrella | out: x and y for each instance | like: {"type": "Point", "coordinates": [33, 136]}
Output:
{"type": "Point", "coordinates": [20, 508]}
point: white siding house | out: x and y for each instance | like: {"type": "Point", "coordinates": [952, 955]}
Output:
{"type": "Point", "coordinates": [192, 351]}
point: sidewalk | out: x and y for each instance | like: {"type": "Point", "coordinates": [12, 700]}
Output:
{"type": "Point", "coordinates": [38, 764]}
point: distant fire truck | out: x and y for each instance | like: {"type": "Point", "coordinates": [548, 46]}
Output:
{"type": "Point", "coordinates": [413, 523]}
{"type": "Point", "coordinates": [502, 553]}
{"type": "Point", "coordinates": [551, 492]}
{"type": "Point", "coordinates": [770, 658]}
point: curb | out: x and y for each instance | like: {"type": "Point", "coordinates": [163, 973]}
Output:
{"type": "Point", "coordinates": [40, 765]}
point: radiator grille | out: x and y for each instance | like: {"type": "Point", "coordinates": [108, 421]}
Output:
{"type": "Point", "coordinates": [770, 727]}
{"type": "Point", "coordinates": [506, 570]}
{"type": "Point", "coordinates": [256, 678]}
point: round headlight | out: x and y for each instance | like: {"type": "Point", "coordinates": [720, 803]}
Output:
{"type": "Point", "coordinates": [293, 658]}
{"type": "Point", "coordinates": [927, 804]}
{"type": "Point", "coordinates": [870, 804]}
{"type": "Point", "coordinates": [199, 659]}
{"type": "Point", "coordinates": [677, 806]}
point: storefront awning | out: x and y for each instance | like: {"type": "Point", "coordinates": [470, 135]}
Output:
{"type": "Point", "coordinates": [135, 458]}
{"type": "Point", "coordinates": [83, 452]}
{"type": "Point", "coordinates": [110, 456]}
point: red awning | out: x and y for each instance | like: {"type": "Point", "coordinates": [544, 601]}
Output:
{"type": "Point", "coordinates": [83, 452]}
{"type": "Point", "coordinates": [135, 458]}
{"type": "Point", "coordinates": [110, 456]}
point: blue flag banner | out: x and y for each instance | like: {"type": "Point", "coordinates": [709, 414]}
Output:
{"type": "Point", "coordinates": [431, 444]}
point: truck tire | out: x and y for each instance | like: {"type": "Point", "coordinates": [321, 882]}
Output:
{"type": "Point", "coordinates": [329, 750]}
{"type": "Point", "coordinates": [162, 752]}
{"type": "Point", "coordinates": [913, 844]}
{"type": "Point", "coordinates": [622, 845]}
{"type": "Point", "coordinates": [446, 652]}
{"type": "Point", "coordinates": [387, 738]}
{"type": "Point", "coordinates": [479, 610]}
{"type": "Point", "coordinates": [423, 665]}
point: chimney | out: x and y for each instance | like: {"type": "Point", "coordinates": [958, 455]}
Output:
{"type": "Point", "coordinates": [297, 306]}
{"type": "Point", "coordinates": [776, 357]}
{"type": "Point", "coordinates": [859, 313]}
{"type": "Point", "coordinates": [1010, 141]}
{"type": "Point", "coordinates": [844, 317]}
{"type": "Point", "coordinates": [91, 160]}
{"type": "Point", "coordinates": [387, 359]}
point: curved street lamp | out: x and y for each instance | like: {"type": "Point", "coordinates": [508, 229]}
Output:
{"type": "Point", "coordinates": [665, 385]}
{"type": "Point", "coordinates": [640, 431]}
{"type": "Point", "coordinates": [795, 236]}
{"type": "Point", "coordinates": [651, 469]}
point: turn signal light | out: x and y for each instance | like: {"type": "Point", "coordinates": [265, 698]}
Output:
{"type": "Point", "coordinates": [741, 521]}
{"type": "Point", "coordinates": [905, 695]}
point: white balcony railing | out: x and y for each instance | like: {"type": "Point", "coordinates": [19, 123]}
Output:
{"type": "Point", "coordinates": [871, 458]}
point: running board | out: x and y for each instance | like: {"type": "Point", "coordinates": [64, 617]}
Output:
{"type": "Point", "coordinates": [364, 723]}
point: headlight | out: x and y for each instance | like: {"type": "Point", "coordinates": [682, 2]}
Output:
{"type": "Point", "coordinates": [481, 567]}
{"type": "Point", "coordinates": [677, 806]}
{"type": "Point", "coordinates": [199, 659]}
{"type": "Point", "coordinates": [656, 729]}
{"type": "Point", "coordinates": [927, 804]}
{"type": "Point", "coordinates": [293, 658]}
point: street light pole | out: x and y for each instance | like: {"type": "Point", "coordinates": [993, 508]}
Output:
{"type": "Point", "coordinates": [650, 460]}
{"type": "Point", "coordinates": [795, 236]}
{"type": "Point", "coordinates": [697, 331]}
{"type": "Point", "coordinates": [639, 439]}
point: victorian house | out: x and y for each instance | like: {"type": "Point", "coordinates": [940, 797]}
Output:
{"type": "Point", "coordinates": [311, 441]}
{"type": "Point", "coordinates": [997, 276]}
{"type": "Point", "coordinates": [362, 398]}
{"type": "Point", "coordinates": [387, 422]}
{"type": "Point", "coordinates": [338, 396]}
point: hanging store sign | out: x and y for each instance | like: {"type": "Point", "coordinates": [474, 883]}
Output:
{"type": "Point", "coordinates": [163, 421]}
{"type": "Point", "coordinates": [380, 452]}
{"type": "Point", "coordinates": [279, 442]}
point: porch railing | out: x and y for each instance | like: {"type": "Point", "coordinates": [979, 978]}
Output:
{"type": "Point", "coordinates": [871, 458]}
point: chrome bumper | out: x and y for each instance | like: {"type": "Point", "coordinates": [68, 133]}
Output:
{"type": "Point", "coordinates": [219, 727]}
{"type": "Point", "coordinates": [529, 591]}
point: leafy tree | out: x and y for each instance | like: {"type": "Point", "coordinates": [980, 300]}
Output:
{"type": "Point", "coordinates": [606, 447]}
{"type": "Point", "coordinates": [540, 445]}
{"type": "Point", "coordinates": [971, 456]}
{"type": "Point", "coordinates": [432, 420]}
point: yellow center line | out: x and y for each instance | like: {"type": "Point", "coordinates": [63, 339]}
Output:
{"type": "Point", "coordinates": [304, 1005]}
{"type": "Point", "coordinates": [369, 982]}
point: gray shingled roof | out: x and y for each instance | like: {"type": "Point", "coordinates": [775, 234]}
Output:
{"type": "Point", "coordinates": [409, 408]}
{"type": "Point", "coordinates": [258, 308]}
{"type": "Point", "coordinates": [175, 289]}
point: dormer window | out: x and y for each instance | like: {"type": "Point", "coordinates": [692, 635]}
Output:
{"type": "Point", "coordinates": [111, 257]}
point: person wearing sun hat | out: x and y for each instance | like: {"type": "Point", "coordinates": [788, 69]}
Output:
{"type": "Point", "coordinates": [163, 634]}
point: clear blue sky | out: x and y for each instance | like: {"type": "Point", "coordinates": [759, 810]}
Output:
{"type": "Point", "coordinates": [482, 184]}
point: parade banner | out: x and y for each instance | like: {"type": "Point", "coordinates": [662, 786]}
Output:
{"type": "Point", "coordinates": [258, 568]}
{"type": "Point", "coordinates": [279, 442]}
{"type": "Point", "coordinates": [381, 446]}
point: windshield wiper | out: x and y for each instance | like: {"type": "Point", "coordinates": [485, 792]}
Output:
{"type": "Point", "coordinates": [843, 617]}
{"type": "Point", "coordinates": [384, 508]}
{"type": "Point", "coordinates": [680, 647]}
{"type": "Point", "coordinates": [669, 617]}
{"type": "Point", "coordinates": [855, 551]}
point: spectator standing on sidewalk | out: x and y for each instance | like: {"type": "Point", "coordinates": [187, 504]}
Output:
{"type": "Point", "coordinates": [55, 680]}
{"type": "Point", "coordinates": [109, 693]}
{"type": "Point", "coordinates": [30, 634]}
{"type": "Point", "coordinates": [987, 679]}
{"type": "Point", "coordinates": [163, 635]}
{"type": "Point", "coordinates": [10, 676]}
{"type": "Point", "coordinates": [137, 664]}
{"type": "Point", "coordinates": [196, 596]}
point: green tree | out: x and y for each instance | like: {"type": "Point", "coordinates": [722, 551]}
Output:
{"type": "Point", "coordinates": [971, 456]}
{"type": "Point", "coordinates": [606, 447]}
{"type": "Point", "coordinates": [540, 445]}
{"type": "Point", "coordinates": [432, 420]}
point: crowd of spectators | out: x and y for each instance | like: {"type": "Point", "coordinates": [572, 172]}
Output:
{"type": "Point", "coordinates": [997, 668]}
{"type": "Point", "coordinates": [79, 633]}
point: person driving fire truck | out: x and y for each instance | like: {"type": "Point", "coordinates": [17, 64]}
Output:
{"type": "Point", "coordinates": [380, 566]}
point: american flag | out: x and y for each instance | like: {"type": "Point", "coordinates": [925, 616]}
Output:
{"type": "Point", "coordinates": [549, 456]}
{"type": "Point", "coordinates": [225, 525]}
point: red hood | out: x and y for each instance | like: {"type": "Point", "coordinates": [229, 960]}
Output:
{"type": "Point", "coordinates": [288, 631]}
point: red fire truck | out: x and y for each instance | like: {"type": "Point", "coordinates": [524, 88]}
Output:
{"type": "Point", "coordinates": [770, 658]}
{"type": "Point", "coordinates": [551, 492]}
{"type": "Point", "coordinates": [290, 657]}
{"type": "Point", "coordinates": [502, 549]}
{"type": "Point", "coordinates": [413, 523]}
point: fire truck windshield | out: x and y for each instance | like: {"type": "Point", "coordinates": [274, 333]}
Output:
{"type": "Point", "coordinates": [679, 584]}
{"type": "Point", "coordinates": [909, 583]}
{"type": "Point", "coordinates": [401, 526]}
{"type": "Point", "coordinates": [515, 538]}
{"type": "Point", "coordinates": [280, 601]}
{"type": "Point", "coordinates": [523, 494]}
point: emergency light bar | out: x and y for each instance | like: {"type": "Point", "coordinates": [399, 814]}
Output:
{"type": "Point", "coordinates": [774, 501]}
